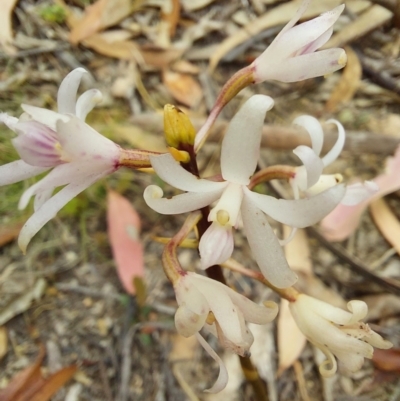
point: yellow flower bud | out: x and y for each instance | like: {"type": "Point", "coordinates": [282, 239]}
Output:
{"type": "Point", "coordinates": [178, 128]}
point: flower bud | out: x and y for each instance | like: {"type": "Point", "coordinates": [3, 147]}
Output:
{"type": "Point", "coordinates": [178, 128]}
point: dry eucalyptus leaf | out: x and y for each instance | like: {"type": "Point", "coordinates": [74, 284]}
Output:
{"type": "Point", "coordinates": [389, 124]}
{"type": "Point", "coordinates": [369, 20]}
{"type": "Point", "coordinates": [183, 87]}
{"type": "Point", "coordinates": [3, 342]}
{"type": "Point", "coordinates": [193, 5]}
{"type": "Point", "coordinates": [172, 16]}
{"type": "Point", "coordinates": [183, 348]}
{"type": "Point", "coordinates": [297, 251]}
{"type": "Point", "coordinates": [98, 16]}
{"type": "Point", "coordinates": [387, 222]}
{"type": "Point", "coordinates": [348, 83]}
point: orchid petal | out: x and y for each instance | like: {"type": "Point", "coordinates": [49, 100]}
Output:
{"type": "Point", "coordinates": [216, 245]}
{"type": "Point", "coordinates": [170, 171]}
{"type": "Point", "coordinates": [314, 129]}
{"type": "Point", "coordinates": [66, 97]}
{"type": "Point", "coordinates": [337, 148]}
{"type": "Point", "coordinates": [317, 43]}
{"type": "Point", "coordinates": [86, 102]}
{"type": "Point", "coordinates": [306, 66]}
{"type": "Point", "coordinates": [50, 209]}
{"type": "Point", "coordinates": [312, 163]}
{"type": "Point", "coordinates": [178, 204]}
{"type": "Point", "coordinates": [308, 32]}
{"type": "Point", "coordinates": [187, 322]}
{"type": "Point", "coordinates": [265, 246]}
{"type": "Point", "coordinates": [241, 144]}
{"type": "Point", "coordinates": [18, 170]}
{"type": "Point", "coordinates": [80, 141]}
{"type": "Point", "coordinates": [10, 121]}
{"type": "Point", "coordinates": [41, 198]}
{"type": "Point", "coordinates": [43, 116]}
{"type": "Point", "coordinates": [300, 11]}
{"type": "Point", "coordinates": [223, 377]}
{"type": "Point", "coordinates": [298, 213]}
{"type": "Point", "coordinates": [252, 312]}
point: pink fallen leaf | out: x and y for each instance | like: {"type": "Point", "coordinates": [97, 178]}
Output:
{"type": "Point", "coordinates": [123, 232]}
{"type": "Point", "coordinates": [343, 220]}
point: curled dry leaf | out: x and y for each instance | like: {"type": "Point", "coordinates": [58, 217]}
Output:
{"type": "Point", "coordinates": [387, 222]}
{"type": "Point", "coordinates": [123, 231]}
{"type": "Point", "coordinates": [348, 83]}
{"type": "Point", "coordinates": [183, 87]}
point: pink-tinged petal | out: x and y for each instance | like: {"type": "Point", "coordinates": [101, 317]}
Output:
{"type": "Point", "coordinates": [298, 37]}
{"type": "Point", "coordinates": [43, 116]}
{"type": "Point", "coordinates": [301, 10]}
{"type": "Point", "coordinates": [359, 192]}
{"type": "Point", "coordinates": [298, 213]}
{"type": "Point", "coordinates": [178, 204]}
{"type": "Point", "coordinates": [316, 44]}
{"type": "Point", "coordinates": [37, 144]}
{"type": "Point", "coordinates": [18, 171]}
{"type": "Point", "coordinates": [81, 142]}
{"type": "Point", "coordinates": [242, 140]}
{"type": "Point", "coordinates": [170, 171]}
{"type": "Point", "coordinates": [187, 322]}
{"type": "Point", "coordinates": [86, 102]}
{"type": "Point", "coordinates": [66, 97]}
{"type": "Point", "coordinates": [337, 148]}
{"type": "Point", "coordinates": [265, 246]}
{"type": "Point", "coordinates": [306, 66]}
{"type": "Point", "coordinates": [41, 198]}
{"type": "Point", "coordinates": [60, 175]}
{"type": "Point", "coordinates": [314, 129]}
{"type": "Point", "coordinates": [216, 245]}
{"type": "Point", "coordinates": [342, 222]}
{"type": "Point", "coordinates": [312, 164]}
{"type": "Point", "coordinates": [51, 208]}
{"type": "Point", "coordinates": [10, 121]}
{"type": "Point", "coordinates": [223, 377]}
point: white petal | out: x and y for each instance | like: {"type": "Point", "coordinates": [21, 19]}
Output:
{"type": "Point", "coordinates": [182, 203]}
{"type": "Point", "coordinates": [307, 66]}
{"type": "Point", "coordinates": [66, 97]}
{"type": "Point", "coordinates": [317, 43]}
{"type": "Point", "coordinates": [86, 102]}
{"type": "Point", "coordinates": [300, 11]}
{"type": "Point", "coordinates": [10, 121]}
{"type": "Point", "coordinates": [170, 171]}
{"type": "Point", "coordinates": [314, 129]}
{"type": "Point", "coordinates": [41, 198]}
{"type": "Point", "coordinates": [359, 309]}
{"type": "Point", "coordinates": [50, 209]}
{"type": "Point", "coordinates": [337, 148]}
{"type": "Point", "coordinates": [241, 143]}
{"type": "Point", "coordinates": [298, 213]}
{"type": "Point", "coordinates": [18, 171]}
{"type": "Point", "coordinates": [216, 245]}
{"type": "Point", "coordinates": [359, 192]}
{"type": "Point", "coordinates": [325, 182]}
{"type": "Point", "coordinates": [188, 322]}
{"type": "Point", "coordinates": [265, 246]}
{"type": "Point", "coordinates": [82, 142]}
{"type": "Point", "coordinates": [44, 116]}
{"type": "Point", "coordinates": [312, 163]}
{"type": "Point", "coordinates": [223, 377]}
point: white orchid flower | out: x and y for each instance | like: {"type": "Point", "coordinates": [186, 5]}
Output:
{"type": "Point", "coordinates": [209, 304]}
{"type": "Point", "coordinates": [337, 333]}
{"type": "Point", "coordinates": [309, 178]}
{"type": "Point", "coordinates": [77, 153]}
{"type": "Point", "coordinates": [291, 56]}
{"type": "Point", "coordinates": [239, 156]}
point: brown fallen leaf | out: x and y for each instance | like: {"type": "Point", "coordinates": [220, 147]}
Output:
{"type": "Point", "coordinates": [183, 87]}
{"type": "Point", "coordinates": [123, 231]}
{"type": "Point", "coordinates": [98, 16]}
{"type": "Point", "coordinates": [30, 385]}
{"type": "Point", "coordinates": [3, 342]}
{"type": "Point", "coordinates": [348, 84]}
{"type": "Point", "coordinates": [6, 35]}
{"type": "Point", "coordinates": [387, 360]}
{"type": "Point", "coordinates": [387, 222]}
